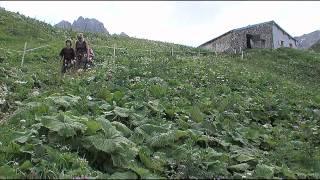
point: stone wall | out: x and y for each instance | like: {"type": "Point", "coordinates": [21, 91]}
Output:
{"type": "Point", "coordinates": [222, 44]}
{"type": "Point", "coordinates": [264, 31]}
{"type": "Point", "coordinates": [279, 35]}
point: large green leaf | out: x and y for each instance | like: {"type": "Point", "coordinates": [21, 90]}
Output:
{"type": "Point", "coordinates": [151, 129]}
{"type": "Point", "coordinates": [287, 172]}
{"type": "Point", "coordinates": [244, 158]}
{"type": "Point", "coordinates": [102, 143]}
{"type": "Point", "coordinates": [155, 106]}
{"type": "Point", "coordinates": [106, 106]}
{"type": "Point", "coordinates": [26, 165]}
{"type": "Point", "coordinates": [111, 141]}
{"type": "Point", "coordinates": [157, 91]}
{"type": "Point", "coordinates": [124, 175]}
{"type": "Point", "coordinates": [107, 127]}
{"type": "Point", "coordinates": [107, 141]}
{"type": "Point", "coordinates": [122, 112]}
{"type": "Point", "coordinates": [64, 125]}
{"type": "Point", "coordinates": [118, 95]}
{"type": "Point", "coordinates": [64, 101]}
{"type": "Point", "coordinates": [105, 94]}
{"type": "Point", "coordinates": [6, 172]}
{"type": "Point", "coordinates": [148, 162]}
{"type": "Point", "coordinates": [163, 139]}
{"type": "Point", "coordinates": [144, 173]}
{"type": "Point", "coordinates": [122, 128]}
{"type": "Point", "coordinates": [239, 167]}
{"type": "Point", "coordinates": [217, 167]}
{"type": "Point", "coordinates": [23, 137]}
{"type": "Point", "coordinates": [92, 126]}
{"type": "Point", "coordinates": [263, 171]}
{"type": "Point", "coordinates": [196, 114]}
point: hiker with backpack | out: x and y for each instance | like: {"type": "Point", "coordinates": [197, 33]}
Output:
{"type": "Point", "coordinates": [82, 52]}
{"type": "Point", "coordinates": [67, 55]}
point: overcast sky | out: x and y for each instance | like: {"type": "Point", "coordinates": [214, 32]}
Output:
{"type": "Point", "coordinates": [185, 22]}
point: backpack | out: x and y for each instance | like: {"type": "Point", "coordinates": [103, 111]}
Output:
{"type": "Point", "coordinates": [81, 48]}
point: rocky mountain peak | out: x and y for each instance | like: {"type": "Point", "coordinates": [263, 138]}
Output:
{"type": "Point", "coordinates": [307, 40]}
{"type": "Point", "coordinates": [84, 25]}
{"type": "Point", "coordinates": [123, 34]}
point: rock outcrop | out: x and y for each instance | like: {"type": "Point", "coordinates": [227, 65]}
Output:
{"type": "Point", "coordinates": [307, 40]}
{"type": "Point", "coordinates": [84, 25]}
{"type": "Point", "coordinates": [64, 25]}
{"type": "Point", "coordinates": [123, 34]}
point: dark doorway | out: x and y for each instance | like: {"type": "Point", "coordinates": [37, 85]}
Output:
{"type": "Point", "coordinates": [249, 37]}
{"type": "Point", "coordinates": [263, 43]}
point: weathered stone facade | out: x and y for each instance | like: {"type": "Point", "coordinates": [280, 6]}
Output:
{"type": "Point", "coordinates": [263, 35]}
{"type": "Point", "coordinates": [222, 44]}
{"type": "Point", "coordinates": [279, 35]}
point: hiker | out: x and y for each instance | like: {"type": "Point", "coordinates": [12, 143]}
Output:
{"type": "Point", "coordinates": [67, 55]}
{"type": "Point", "coordinates": [82, 51]}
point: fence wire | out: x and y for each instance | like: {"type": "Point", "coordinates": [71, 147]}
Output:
{"type": "Point", "coordinates": [115, 48]}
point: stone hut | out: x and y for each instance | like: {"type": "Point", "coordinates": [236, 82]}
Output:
{"type": "Point", "coordinates": [263, 35]}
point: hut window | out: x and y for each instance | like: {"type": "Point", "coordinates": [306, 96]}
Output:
{"type": "Point", "coordinates": [282, 43]}
{"type": "Point", "coordinates": [290, 45]}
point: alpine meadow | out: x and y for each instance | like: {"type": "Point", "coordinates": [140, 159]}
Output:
{"type": "Point", "coordinates": [157, 114]}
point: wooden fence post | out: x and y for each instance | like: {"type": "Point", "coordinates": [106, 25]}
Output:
{"type": "Point", "coordinates": [114, 54]}
{"type": "Point", "coordinates": [171, 51]}
{"type": "Point", "coordinates": [241, 54]}
{"type": "Point", "coordinates": [24, 52]}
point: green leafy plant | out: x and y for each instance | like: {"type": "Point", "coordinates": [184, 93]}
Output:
{"type": "Point", "coordinates": [155, 116]}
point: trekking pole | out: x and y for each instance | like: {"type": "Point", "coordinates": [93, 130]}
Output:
{"type": "Point", "coordinates": [24, 52]}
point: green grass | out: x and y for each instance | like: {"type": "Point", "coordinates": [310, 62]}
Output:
{"type": "Point", "coordinates": [316, 47]}
{"type": "Point", "coordinates": [143, 116]}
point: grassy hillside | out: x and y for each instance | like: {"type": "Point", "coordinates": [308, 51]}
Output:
{"type": "Point", "coordinates": [316, 47]}
{"type": "Point", "coordinates": [159, 116]}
